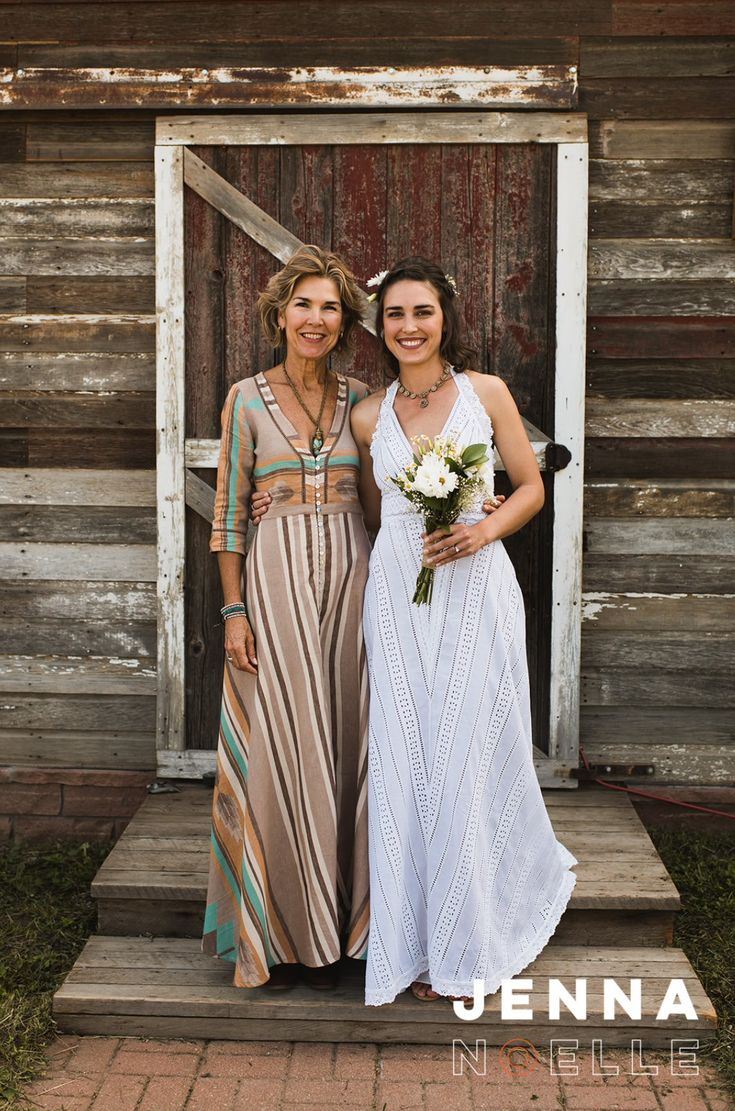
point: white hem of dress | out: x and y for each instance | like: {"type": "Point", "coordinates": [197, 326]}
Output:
{"type": "Point", "coordinates": [529, 954]}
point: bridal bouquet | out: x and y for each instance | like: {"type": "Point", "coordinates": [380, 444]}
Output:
{"type": "Point", "coordinates": [441, 481]}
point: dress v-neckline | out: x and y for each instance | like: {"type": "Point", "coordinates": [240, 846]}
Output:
{"type": "Point", "coordinates": [284, 424]}
{"type": "Point", "coordinates": [447, 422]}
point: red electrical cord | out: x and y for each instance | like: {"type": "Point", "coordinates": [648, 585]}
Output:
{"type": "Point", "coordinates": [649, 795]}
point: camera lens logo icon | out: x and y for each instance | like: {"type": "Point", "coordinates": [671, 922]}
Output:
{"type": "Point", "coordinates": [519, 1056]}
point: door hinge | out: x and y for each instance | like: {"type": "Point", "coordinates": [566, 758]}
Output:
{"type": "Point", "coordinates": [557, 456]}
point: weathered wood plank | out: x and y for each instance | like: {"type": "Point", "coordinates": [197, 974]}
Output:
{"type": "Point", "coordinates": [124, 256]}
{"type": "Point", "coordinates": [68, 524]}
{"type": "Point", "coordinates": [408, 127]}
{"type": "Point", "coordinates": [648, 297]}
{"type": "Point", "coordinates": [660, 220]}
{"type": "Point", "coordinates": [241, 22]}
{"type": "Point", "coordinates": [698, 730]}
{"type": "Point", "coordinates": [80, 216]}
{"type": "Point", "coordinates": [606, 612]}
{"type": "Point", "coordinates": [418, 49]}
{"type": "Point", "coordinates": [90, 141]}
{"type": "Point", "coordinates": [14, 447]}
{"type": "Point", "coordinates": [238, 208]}
{"type": "Point", "coordinates": [675, 457]}
{"type": "Point", "coordinates": [644, 417]}
{"type": "Point", "coordinates": [61, 674]}
{"type": "Point", "coordinates": [686, 17]}
{"type": "Point", "coordinates": [697, 651]}
{"type": "Point", "coordinates": [13, 294]}
{"type": "Point", "coordinates": [96, 562]}
{"type": "Point", "coordinates": [693, 337]}
{"type": "Point", "coordinates": [676, 574]}
{"type": "Point", "coordinates": [57, 636]}
{"type": "Point", "coordinates": [664, 378]}
{"type": "Point", "coordinates": [51, 486]}
{"type": "Point", "coordinates": [107, 448]}
{"type": "Point", "coordinates": [124, 602]}
{"type": "Point", "coordinates": [49, 371]}
{"type": "Point", "coordinates": [664, 498]}
{"type": "Point", "coordinates": [217, 273]}
{"type": "Point", "coordinates": [171, 1026]}
{"type": "Point", "coordinates": [688, 56]}
{"type": "Point", "coordinates": [650, 687]}
{"type": "Point", "coordinates": [649, 178]}
{"type": "Point", "coordinates": [108, 410]}
{"type": "Point", "coordinates": [684, 139]}
{"type": "Point", "coordinates": [680, 536]}
{"type": "Point", "coordinates": [97, 294]}
{"type": "Point", "coordinates": [12, 136]}
{"type": "Point", "coordinates": [133, 332]}
{"type": "Point", "coordinates": [661, 259]}
{"type": "Point", "coordinates": [538, 87]}
{"type": "Point", "coordinates": [130, 713]}
{"type": "Point", "coordinates": [199, 496]}
{"type": "Point", "coordinates": [657, 97]}
{"type": "Point", "coordinates": [108, 748]}
{"type": "Point", "coordinates": [77, 179]}
{"type": "Point", "coordinates": [675, 763]}
{"type": "Point", "coordinates": [170, 432]}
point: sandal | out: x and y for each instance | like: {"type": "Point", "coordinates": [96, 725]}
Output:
{"type": "Point", "coordinates": [423, 992]}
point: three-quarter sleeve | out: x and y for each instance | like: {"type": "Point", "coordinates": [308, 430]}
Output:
{"type": "Point", "coordinates": [234, 477]}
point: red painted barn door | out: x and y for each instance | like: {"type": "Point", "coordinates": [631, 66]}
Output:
{"type": "Point", "coordinates": [485, 211]}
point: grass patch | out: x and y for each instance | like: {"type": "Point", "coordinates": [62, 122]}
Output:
{"type": "Point", "coordinates": [46, 915]}
{"type": "Point", "coordinates": [702, 865]}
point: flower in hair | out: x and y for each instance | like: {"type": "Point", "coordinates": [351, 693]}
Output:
{"type": "Point", "coordinates": [375, 281]}
{"type": "Point", "coordinates": [377, 278]}
{"type": "Point", "coordinates": [451, 282]}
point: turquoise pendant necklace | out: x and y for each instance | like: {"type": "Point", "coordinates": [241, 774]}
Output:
{"type": "Point", "coordinates": [317, 440]}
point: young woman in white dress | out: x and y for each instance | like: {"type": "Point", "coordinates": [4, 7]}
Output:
{"type": "Point", "coordinates": [467, 879]}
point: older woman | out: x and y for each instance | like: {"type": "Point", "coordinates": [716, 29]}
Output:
{"type": "Point", "coordinates": [288, 876]}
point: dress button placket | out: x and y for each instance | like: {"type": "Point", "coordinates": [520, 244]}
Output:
{"type": "Point", "coordinates": [319, 527]}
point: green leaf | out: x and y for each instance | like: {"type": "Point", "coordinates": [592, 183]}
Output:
{"type": "Point", "coordinates": [474, 454]}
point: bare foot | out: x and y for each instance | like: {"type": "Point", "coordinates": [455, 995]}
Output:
{"type": "Point", "coordinates": [423, 991]}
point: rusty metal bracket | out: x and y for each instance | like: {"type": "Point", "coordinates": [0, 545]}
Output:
{"type": "Point", "coordinates": [613, 771]}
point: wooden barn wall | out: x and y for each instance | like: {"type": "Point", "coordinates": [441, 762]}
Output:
{"type": "Point", "coordinates": [77, 499]}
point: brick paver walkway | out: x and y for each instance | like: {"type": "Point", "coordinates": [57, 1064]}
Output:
{"type": "Point", "coordinates": [132, 1074]}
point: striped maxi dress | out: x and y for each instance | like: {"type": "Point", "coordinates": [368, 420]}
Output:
{"type": "Point", "coordinates": [288, 870]}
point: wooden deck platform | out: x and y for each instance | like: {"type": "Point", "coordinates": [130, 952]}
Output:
{"type": "Point", "coordinates": [144, 973]}
{"type": "Point", "coordinates": [165, 987]}
{"type": "Point", "coordinates": [154, 880]}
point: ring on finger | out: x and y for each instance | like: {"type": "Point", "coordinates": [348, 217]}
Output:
{"type": "Point", "coordinates": [456, 548]}
{"type": "Point", "coordinates": [230, 658]}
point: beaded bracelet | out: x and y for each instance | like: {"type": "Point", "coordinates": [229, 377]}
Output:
{"type": "Point", "coordinates": [235, 609]}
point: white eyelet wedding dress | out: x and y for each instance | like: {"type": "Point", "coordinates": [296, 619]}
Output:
{"type": "Point", "coordinates": [467, 879]}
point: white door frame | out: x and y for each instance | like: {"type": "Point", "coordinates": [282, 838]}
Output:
{"type": "Point", "coordinates": [172, 161]}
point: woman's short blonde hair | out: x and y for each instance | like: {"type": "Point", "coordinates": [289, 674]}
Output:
{"type": "Point", "coordinates": [311, 261]}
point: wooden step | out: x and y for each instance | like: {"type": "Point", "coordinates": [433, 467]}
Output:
{"type": "Point", "coordinates": [166, 987]}
{"type": "Point", "coordinates": [155, 879]}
